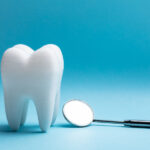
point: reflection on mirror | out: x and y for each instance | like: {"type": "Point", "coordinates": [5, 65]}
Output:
{"type": "Point", "coordinates": [78, 113]}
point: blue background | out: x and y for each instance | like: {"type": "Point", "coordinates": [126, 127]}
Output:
{"type": "Point", "coordinates": [106, 48]}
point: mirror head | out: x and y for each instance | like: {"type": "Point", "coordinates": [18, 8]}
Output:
{"type": "Point", "coordinates": [78, 113]}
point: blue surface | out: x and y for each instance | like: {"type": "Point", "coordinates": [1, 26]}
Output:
{"type": "Point", "coordinates": [106, 48]}
{"type": "Point", "coordinates": [118, 103]}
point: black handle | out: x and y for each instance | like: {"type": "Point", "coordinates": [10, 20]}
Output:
{"type": "Point", "coordinates": [137, 123]}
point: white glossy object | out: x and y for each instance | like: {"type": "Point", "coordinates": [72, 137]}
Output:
{"type": "Point", "coordinates": [36, 75]}
{"type": "Point", "coordinates": [78, 113]}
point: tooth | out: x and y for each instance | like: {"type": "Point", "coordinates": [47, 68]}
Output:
{"type": "Point", "coordinates": [61, 63]}
{"type": "Point", "coordinates": [32, 75]}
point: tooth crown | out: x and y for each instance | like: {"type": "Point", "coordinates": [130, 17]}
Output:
{"type": "Point", "coordinates": [36, 75]}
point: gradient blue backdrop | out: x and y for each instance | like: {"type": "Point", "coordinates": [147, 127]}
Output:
{"type": "Point", "coordinates": [106, 48]}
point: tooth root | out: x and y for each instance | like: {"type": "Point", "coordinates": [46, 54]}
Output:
{"type": "Point", "coordinates": [13, 106]}
{"type": "Point", "coordinates": [24, 113]}
{"type": "Point", "coordinates": [45, 113]}
{"type": "Point", "coordinates": [56, 107]}
{"type": "Point", "coordinates": [45, 110]}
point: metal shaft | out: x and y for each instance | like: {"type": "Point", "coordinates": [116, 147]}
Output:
{"type": "Point", "coordinates": [108, 121]}
{"type": "Point", "coordinates": [130, 123]}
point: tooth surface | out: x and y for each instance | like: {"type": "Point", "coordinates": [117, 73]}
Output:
{"type": "Point", "coordinates": [24, 112]}
{"type": "Point", "coordinates": [32, 75]}
{"type": "Point", "coordinates": [61, 64]}
{"type": "Point", "coordinates": [14, 107]}
{"type": "Point", "coordinates": [29, 51]}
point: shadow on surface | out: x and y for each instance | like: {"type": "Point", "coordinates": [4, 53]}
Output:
{"type": "Point", "coordinates": [32, 128]}
{"type": "Point", "coordinates": [64, 125]}
{"type": "Point", "coordinates": [121, 126]}
{"type": "Point", "coordinates": [22, 129]}
{"type": "Point", "coordinates": [36, 129]}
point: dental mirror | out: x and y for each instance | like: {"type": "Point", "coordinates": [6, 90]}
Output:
{"type": "Point", "coordinates": [80, 114]}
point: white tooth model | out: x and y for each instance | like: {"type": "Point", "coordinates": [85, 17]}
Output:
{"type": "Point", "coordinates": [36, 75]}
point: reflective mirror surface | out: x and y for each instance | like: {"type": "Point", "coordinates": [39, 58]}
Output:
{"type": "Point", "coordinates": [78, 113]}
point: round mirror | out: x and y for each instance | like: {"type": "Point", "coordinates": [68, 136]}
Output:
{"type": "Point", "coordinates": [78, 113]}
